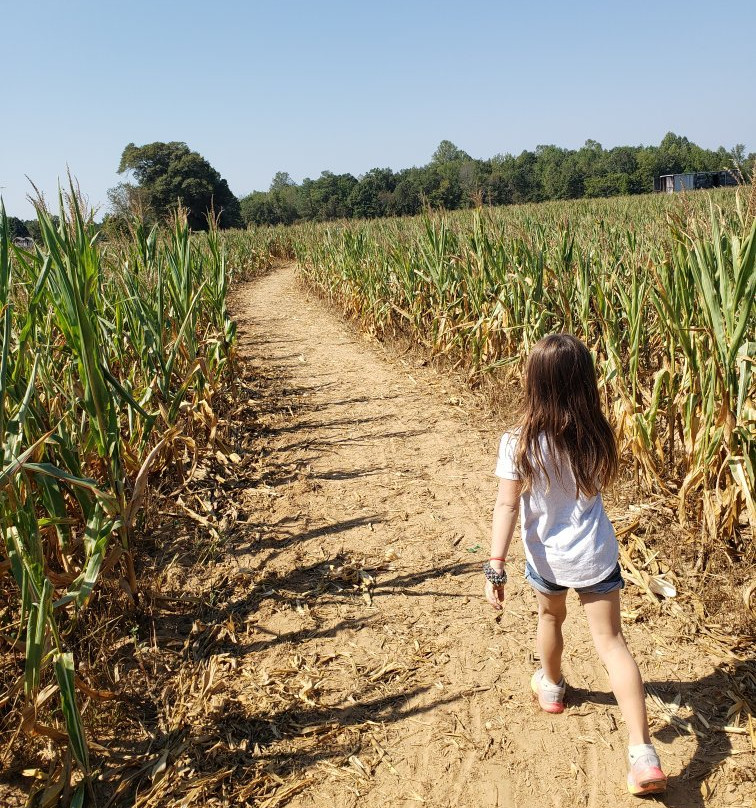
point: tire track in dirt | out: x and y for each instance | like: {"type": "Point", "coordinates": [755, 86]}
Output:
{"type": "Point", "coordinates": [381, 465]}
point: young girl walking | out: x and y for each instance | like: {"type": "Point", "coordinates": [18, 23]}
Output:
{"type": "Point", "coordinates": [552, 469]}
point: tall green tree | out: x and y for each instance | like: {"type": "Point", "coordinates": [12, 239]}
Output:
{"type": "Point", "coordinates": [447, 152]}
{"type": "Point", "coordinates": [283, 198]}
{"type": "Point", "coordinates": [371, 197]}
{"type": "Point", "coordinates": [18, 229]}
{"type": "Point", "coordinates": [171, 174]}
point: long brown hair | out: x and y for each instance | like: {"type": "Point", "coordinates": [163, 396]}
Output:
{"type": "Point", "coordinates": [562, 403]}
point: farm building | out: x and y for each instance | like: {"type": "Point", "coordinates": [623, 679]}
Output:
{"type": "Point", "coordinates": [694, 180]}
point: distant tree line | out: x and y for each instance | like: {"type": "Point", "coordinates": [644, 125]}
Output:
{"type": "Point", "coordinates": [24, 228]}
{"type": "Point", "coordinates": [164, 176]}
{"type": "Point", "coordinates": [455, 180]}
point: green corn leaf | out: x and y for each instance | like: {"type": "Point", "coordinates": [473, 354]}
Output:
{"type": "Point", "coordinates": [98, 531]}
{"type": "Point", "coordinates": [77, 799]}
{"type": "Point", "coordinates": [127, 397]}
{"type": "Point", "coordinates": [64, 674]}
{"type": "Point", "coordinates": [16, 424]}
{"type": "Point", "coordinates": [109, 502]}
{"type": "Point", "coordinates": [17, 463]}
{"type": "Point", "coordinates": [15, 555]}
{"type": "Point", "coordinates": [35, 640]}
{"type": "Point", "coordinates": [183, 331]}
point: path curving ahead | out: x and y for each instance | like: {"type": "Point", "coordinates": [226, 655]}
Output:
{"type": "Point", "coordinates": [384, 676]}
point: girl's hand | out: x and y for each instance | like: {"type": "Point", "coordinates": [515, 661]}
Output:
{"type": "Point", "coordinates": [495, 595]}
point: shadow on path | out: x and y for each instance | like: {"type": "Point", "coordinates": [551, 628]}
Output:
{"type": "Point", "coordinates": [704, 697]}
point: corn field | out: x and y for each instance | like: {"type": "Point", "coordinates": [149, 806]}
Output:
{"type": "Point", "coordinates": [111, 361]}
{"type": "Point", "coordinates": [661, 289]}
{"type": "Point", "coordinates": [114, 356]}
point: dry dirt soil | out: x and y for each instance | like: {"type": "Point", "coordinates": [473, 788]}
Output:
{"type": "Point", "coordinates": [372, 672]}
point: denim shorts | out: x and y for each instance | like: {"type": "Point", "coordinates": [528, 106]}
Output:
{"type": "Point", "coordinates": [612, 581]}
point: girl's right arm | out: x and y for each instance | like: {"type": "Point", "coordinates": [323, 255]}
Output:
{"type": "Point", "coordinates": [505, 515]}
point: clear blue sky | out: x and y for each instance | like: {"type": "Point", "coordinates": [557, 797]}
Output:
{"type": "Point", "coordinates": [348, 86]}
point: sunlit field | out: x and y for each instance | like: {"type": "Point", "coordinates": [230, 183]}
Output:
{"type": "Point", "coordinates": [660, 287]}
{"type": "Point", "coordinates": [116, 357]}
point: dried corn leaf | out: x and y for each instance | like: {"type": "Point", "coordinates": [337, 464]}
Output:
{"type": "Point", "coordinates": [659, 585]}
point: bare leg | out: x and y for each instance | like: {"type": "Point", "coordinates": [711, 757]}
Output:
{"type": "Point", "coordinates": [603, 613]}
{"type": "Point", "coordinates": [552, 609]}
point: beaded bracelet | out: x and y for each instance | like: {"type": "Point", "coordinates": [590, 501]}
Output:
{"type": "Point", "coordinates": [496, 578]}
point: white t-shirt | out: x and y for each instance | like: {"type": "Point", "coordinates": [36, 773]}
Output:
{"type": "Point", "coordinates": [568, 541]}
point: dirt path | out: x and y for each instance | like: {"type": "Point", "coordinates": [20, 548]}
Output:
{"type": "Point", "coordinates": [384, 678]}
